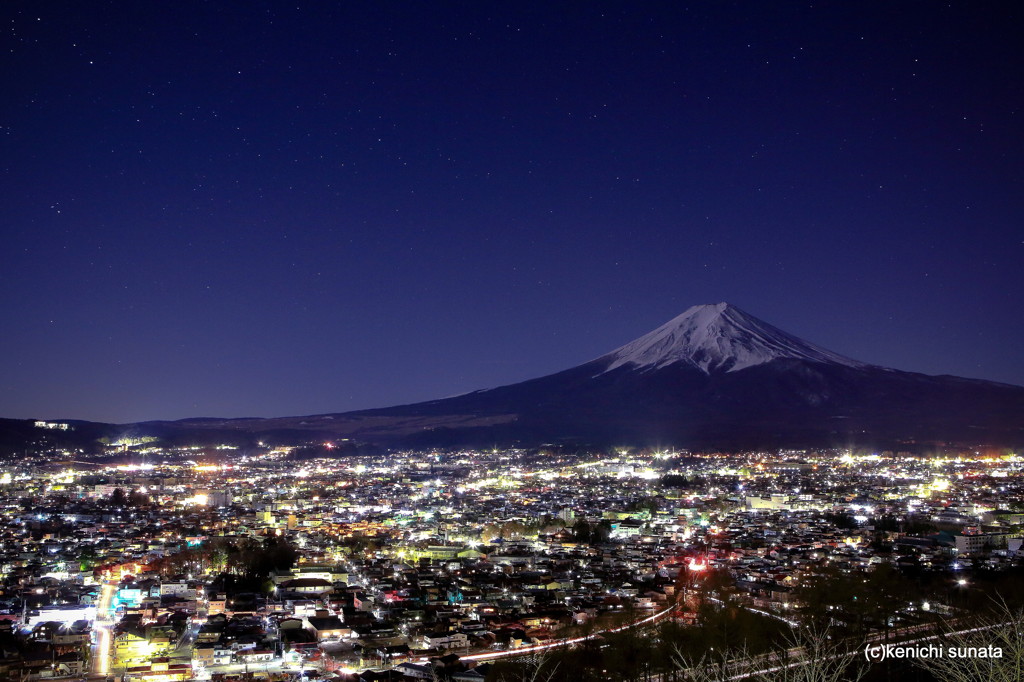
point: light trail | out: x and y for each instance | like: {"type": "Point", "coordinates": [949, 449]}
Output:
{"type": "Point", "coordinates": [101, 663]}
{"type": "Point", "coordinates": [104, 637]}
{"type": "Point", "coordinates": [557, 644]}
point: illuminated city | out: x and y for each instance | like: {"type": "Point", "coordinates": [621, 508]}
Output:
{"type": "Point", "coordinates": [181, 564]}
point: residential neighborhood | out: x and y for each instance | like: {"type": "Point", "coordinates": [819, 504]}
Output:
{"type": "Point", "coordinates": [193, 565]}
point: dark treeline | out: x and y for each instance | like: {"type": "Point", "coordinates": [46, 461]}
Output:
{"type": "Point", "coordinates": [839, 612]}
{"type": "Point", "coordinates": [244, 563]}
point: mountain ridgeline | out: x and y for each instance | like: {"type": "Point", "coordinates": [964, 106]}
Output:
{"type": "Point", "coordinates": [713, 377]}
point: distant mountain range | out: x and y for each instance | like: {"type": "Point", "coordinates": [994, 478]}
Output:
{"type": "Point", "coordinates": [713, 377]}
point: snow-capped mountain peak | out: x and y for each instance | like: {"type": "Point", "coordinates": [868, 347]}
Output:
{"type": "Point", "coordinates": [717, 338]}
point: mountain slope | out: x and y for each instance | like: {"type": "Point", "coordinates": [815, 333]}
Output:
{"type": "Point", "coordinates": [713, 377]}
{"type": "Point", "coordinates": [718, 377]}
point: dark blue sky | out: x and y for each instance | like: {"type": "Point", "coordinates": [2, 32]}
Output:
{"type": "Point", "coordinates": [258, 208]}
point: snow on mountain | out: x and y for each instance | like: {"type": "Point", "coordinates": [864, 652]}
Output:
{"type": "Point", "coordinates": [717, 338]}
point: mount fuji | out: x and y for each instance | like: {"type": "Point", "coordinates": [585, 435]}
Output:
{"type": "Point", "coordinates": [717, 338]}
{"type": "Point", "coordinates": [713, 377]}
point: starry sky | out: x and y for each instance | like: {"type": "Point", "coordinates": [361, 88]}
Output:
{"type": "Point", "coordinates": [267, 208]}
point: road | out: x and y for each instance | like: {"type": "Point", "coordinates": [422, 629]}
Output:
{"type": "Point", "coordinates": [103, 637]}
{"type": "Point", "coordinates": [562, 643]}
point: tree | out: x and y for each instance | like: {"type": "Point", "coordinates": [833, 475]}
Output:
{"type": "Point", "coordinates": [513, 530]}
{"type": "Point", "coordinates": [489, 533]}
{"type": "Point", "coordinates": [117, 498]}
{"type": "Point", "coordinates": [805, 655]}
{"type": "Point", "coordinates": [841, 520]}
{"type": "Point", "coordinates": [812, 655]}
{"type": "Point", "coordinates": [628, 654]}
{"type": "Point", "coordinates": [86, 558]}
{"type": "Point", "coordinates": [976, 646]}
{"type": "Point", "coordinates": [582, 531]}
{"type": "Point", "coordinates": [533, 668]}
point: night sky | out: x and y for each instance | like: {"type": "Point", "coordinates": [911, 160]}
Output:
{"type": "Point", "coordinates": [268, 209]}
